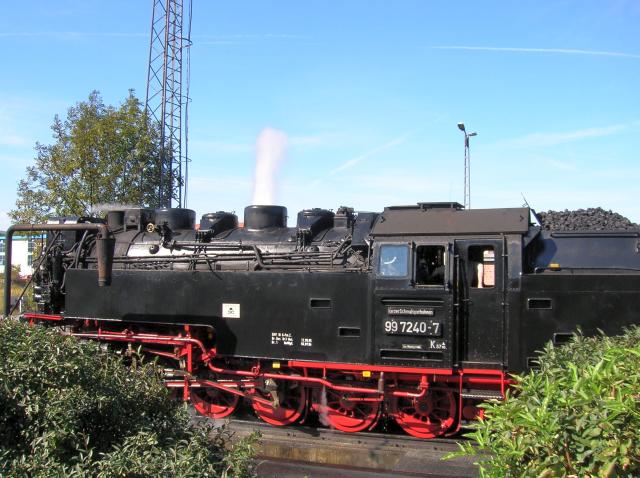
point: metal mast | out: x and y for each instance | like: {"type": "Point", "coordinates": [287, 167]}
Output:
{"type": "Point", "coordinates": [165, 103]}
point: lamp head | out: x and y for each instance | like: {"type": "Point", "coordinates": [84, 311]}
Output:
{"type": "Point", "coordinates": [461, 127]}
{"type": "Point", "coordinates": [473, 134]}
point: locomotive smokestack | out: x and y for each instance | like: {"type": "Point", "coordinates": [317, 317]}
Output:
{"type": "Point", "coordinates": [270, 152]}
{"type": "Point", "coordinates": [258, 217]}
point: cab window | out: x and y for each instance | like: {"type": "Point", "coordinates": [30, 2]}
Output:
{"type": "Point", "coordinates": [430, 265]}
{"type": "Point", "coordinates": [393, 261]}
{"type": "Point", "coordinates": [482, 267]}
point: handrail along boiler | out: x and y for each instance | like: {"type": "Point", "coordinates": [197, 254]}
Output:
{"type": "Point", "coordinates": [415, 314]}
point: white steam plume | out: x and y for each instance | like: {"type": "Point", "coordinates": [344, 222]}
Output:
{"type": "Point", "coordinates": [271, 147]}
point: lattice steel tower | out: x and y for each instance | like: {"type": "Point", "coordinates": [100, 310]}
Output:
{"type": "Point", "coordinates": [165, 102]}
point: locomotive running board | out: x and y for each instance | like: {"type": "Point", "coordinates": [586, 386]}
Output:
{"type": "Point", "coordinates": [482, 395]}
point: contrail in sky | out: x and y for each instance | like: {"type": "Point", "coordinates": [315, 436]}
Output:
{"type": "Point", "coordinates": [239, 38]}
{"type": "Point", "coordinates": [389, 144]}
{"type": "Point", "coordinates": [566, 51]}
{"type": "Point", "coordinates": [72, 34]}
{"type": "Point", "coordinates": [553, 139]}
{"type": "Point", "coordinates": [372, 152]}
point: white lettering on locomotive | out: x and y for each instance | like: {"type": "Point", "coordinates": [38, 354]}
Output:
{"type": "Point", "coordinates": [437, 344]}
{"type": "Point", "coordinates": [411, 347]}
{"type": "Point", "coordinates": [412, 327]}
{"type": "Point", "coordinates": [410, 311]}
{"type": "Point", "coordinates": [281, 338]}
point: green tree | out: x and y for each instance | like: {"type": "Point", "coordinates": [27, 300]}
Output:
{"type": "Point", "coordinates": [101, 154]}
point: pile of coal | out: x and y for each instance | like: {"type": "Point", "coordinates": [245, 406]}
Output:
{"type": "Point", "coordinates": [592, 219]}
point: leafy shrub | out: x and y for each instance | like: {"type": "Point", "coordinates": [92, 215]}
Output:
{"type": "Point", "coordinates": [70, 408]}
{"type": "Point", "coordinates": [578, 415]}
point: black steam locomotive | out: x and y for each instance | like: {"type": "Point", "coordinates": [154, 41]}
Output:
{"type": "Point", "coordinates": [416, 313]}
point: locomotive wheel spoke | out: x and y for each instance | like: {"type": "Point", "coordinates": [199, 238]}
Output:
{"type": "Point", "coordinates": [292, 398]}
{"type": "Point", "coordinates": [426, 417]}
{"type": "Point", "coordinates": [213, 403]}
{"type": "Point", "coordinates": [346, 411]}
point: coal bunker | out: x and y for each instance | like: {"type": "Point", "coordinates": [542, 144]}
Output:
{"type": "Point", "coordinates": [591, 219]}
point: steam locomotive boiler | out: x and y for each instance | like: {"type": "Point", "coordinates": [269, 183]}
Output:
{"type": "Point", "coordinates": [414, 314]}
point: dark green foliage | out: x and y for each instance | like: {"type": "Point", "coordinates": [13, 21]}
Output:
{"type": "Point", "coordinates": [101, 154]}
{"type": "Point", "coordinates": [579, 415]}
{"type": "Point", "coordinates": [69, 408]}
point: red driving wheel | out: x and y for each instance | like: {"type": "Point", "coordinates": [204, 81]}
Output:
{"type": "Point", "coordinates": [346, 411]}
{"type": "Point", "coordinates": [213, 402]}
{"type": "Point", "coordinates": [290, 407]}
{"type": "Point", "coordinates": [429, 416]}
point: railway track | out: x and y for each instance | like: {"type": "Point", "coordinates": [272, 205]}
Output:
{"type": "Point", "coordinates": [320, 452]}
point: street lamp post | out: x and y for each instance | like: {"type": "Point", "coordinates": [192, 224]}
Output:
{"type": "Point", "coordinates": [467, 166]}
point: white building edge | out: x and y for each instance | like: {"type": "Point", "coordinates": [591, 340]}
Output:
{"type": "Point", "coordinates": [22, 252]}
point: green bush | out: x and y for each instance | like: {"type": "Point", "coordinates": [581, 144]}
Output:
{"type": "Point", "coordinates": [578, 415]}
{"type": "Point", "coordinates": [70, 408]}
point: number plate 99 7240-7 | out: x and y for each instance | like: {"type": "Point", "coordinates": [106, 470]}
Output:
{"type": "Point", "coordinates": [412, 327]}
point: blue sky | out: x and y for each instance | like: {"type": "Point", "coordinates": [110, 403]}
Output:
{"type": "Point", "coordinates": [367, 92]}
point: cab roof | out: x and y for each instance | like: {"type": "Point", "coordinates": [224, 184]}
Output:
{"type": "Point", "coordinates": [449, 218]}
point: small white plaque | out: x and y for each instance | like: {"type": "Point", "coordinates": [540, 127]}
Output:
{"type": "Point", "coordinates": [231, 311]}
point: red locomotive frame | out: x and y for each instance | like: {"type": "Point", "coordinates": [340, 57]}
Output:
{"type": "Point", "coordinates": [425, 402]}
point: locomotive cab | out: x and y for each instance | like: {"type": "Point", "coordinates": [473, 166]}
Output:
{"type": "Point", "coordinates": [446, 306]}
